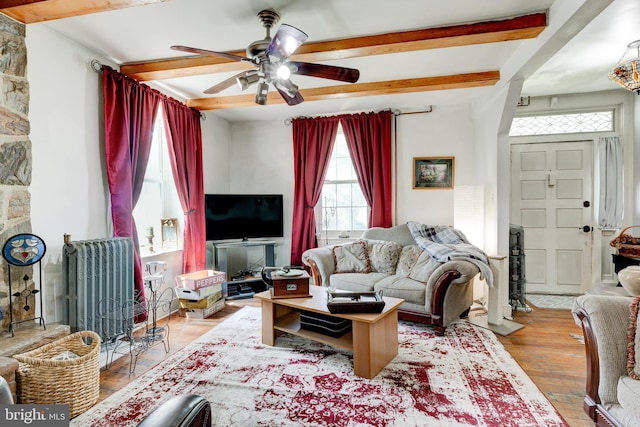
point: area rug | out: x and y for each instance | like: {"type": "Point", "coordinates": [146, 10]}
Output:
{"type": "Point", "coordinates": [465, 378]}
{"type": "Point", "coordinates": [561, 302]}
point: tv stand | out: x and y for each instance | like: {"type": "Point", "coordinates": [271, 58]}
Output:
{"type": "Point", "coordinates": [233, 286]}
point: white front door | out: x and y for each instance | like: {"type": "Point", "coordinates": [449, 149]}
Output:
{"type": "Point", "coordinates": [551, 198]}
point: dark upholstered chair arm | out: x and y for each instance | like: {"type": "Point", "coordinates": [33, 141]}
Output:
{"type": "Point", "coordinates": [6, 398]}
{"type": "Point", "coordinates": [604, 321]}
{"type": "Point", "coordinates": [187, 410]}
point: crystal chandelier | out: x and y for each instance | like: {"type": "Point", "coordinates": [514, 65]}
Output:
{"type": "Point", "coordinates": [626, 72]}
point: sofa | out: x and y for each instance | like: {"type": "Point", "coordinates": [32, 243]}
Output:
{"type": "Point", "coordinates": [388, 260]}
{"type": "Point", "coordinates": [612, 345]}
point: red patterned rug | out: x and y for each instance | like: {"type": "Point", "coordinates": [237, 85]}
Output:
{"type": "Point", "coordinates": [466, 378]}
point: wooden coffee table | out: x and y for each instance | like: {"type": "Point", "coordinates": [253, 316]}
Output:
{"type": "Point", "coordinates": [373, 338]}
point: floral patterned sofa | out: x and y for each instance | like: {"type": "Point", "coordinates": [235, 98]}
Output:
{"type": "Point", "coordinates": [390, 261]}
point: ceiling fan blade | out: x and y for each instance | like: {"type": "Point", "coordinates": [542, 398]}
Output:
{"type": "Point", "coordinates": [290, 100]}
{"type": "Point", "coordinates": [225, 84]}
{"type": "Point", "coordinates": [209, 53]}
{"type": "Point", "coordinates": [286, 41]}
{"type": "Point", "coordinates": [331, 72]}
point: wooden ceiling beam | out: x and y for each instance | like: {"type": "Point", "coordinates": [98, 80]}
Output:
{"type": "Point", "coordinates": [458, 81]}
{"type": "Point", "coordinates": [32, 11]}
{"type": "Point", "coordinates": [516, 28]}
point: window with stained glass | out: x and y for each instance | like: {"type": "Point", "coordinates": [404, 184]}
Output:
{"type": "Point", "coordinates": [598, 121]}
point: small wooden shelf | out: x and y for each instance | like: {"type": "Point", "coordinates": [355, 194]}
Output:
{"type": "Point", "coordinates": [290, 323]}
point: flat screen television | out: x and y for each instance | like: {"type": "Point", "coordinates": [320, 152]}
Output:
{"type": "Point", "coordinates": [243, 216]}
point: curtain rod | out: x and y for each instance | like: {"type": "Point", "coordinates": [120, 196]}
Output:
{"type": "Point", "coordinates": [399, 113]}
{"type": "Point", "coordinates": [288, 120]}
{"type": "Point", "coordinates": [95, 65]}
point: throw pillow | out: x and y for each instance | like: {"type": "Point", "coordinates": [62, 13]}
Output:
{"type": "Point", "coordinates": [408, 257]}
{"type": "Point", "coordinates": [633, 340]}
{"type": "Point", "coordinates": [423, 268]}
{"type": "Point", "coordinates": [351, 258]}
{"type": "Point", "coordinates": [384, 255]}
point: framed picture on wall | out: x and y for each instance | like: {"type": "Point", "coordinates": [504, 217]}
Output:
{"type": "Point", "coordinates": [433, 172]}
{"type": "Point", "coordinates": [169, 233]}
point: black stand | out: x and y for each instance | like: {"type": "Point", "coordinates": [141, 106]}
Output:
{"type": "Point", "coordinates": [24, 250]}
{"type": "Point", "coordinates": [25, 293]}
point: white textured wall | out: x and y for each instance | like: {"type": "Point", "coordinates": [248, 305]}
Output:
{"type": "Point", "coordinates": [261, 162]}
{"type": "Point", "coordinates": [216, 137]}
{"type": "Point", "coordinates": [445, 132]}
{"type": "Point", "coordinates": [69, 186]}
{"type": "Point", "coordinates": [68, 190]}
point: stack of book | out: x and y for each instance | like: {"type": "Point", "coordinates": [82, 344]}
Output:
{"type": "Point", "coordinates": [200, 293]}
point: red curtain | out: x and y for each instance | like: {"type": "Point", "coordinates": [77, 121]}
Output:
{"type": "Point", "coordinates": [368, 137]}
{"type": "Point", "coordinates": [313, 140]}
{"type": "Point", "coordinates": [129, 112]}
{"type": "Point", "coordinates": [184, 139]}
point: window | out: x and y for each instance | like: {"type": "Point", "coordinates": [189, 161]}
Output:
{"type": "Point", "coordinates": [158, 197]}
{"type": "Point", "coordinates": [599, 121]}
{"type": "Point", "coordinates": [342, 206]}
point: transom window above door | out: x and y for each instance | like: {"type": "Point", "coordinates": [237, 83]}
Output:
{"type": "Point", "coordinates": [597, 121]}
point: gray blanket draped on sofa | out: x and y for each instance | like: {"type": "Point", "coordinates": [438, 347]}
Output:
{"type": "Point", "coordinates": [444, 244]}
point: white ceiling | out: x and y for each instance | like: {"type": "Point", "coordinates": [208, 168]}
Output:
{"type": "Point", "coordinates": [144, 33]}
{"type": "Point", "coordinates": [583, 63]}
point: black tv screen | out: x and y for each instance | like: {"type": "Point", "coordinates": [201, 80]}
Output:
{"type": "Point", "coordinates": [243, 216]}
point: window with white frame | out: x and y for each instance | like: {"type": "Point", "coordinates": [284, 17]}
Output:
{"type": "Point", "coordinates": [342, 208]}
{"type": "Point", "coordinates": [596, 121]}
{"type": "Point", "coordinates": [158, 197]}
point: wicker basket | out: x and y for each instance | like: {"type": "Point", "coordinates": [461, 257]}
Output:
{"type": "Point", "coordinates": [76, 382]}
{"type": "Point", "coordinates": [626, 244]}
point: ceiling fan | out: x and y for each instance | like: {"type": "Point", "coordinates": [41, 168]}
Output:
{"type": "Point", "coordinates": [271, 57]}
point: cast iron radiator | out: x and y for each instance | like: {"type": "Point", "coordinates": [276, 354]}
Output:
{"type": "Point", "coordinates": [99, 276]}
{"type": "Point", "coordinates": [517, 278]}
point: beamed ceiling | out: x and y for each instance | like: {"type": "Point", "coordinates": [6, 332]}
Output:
{"type": "Point", "coordinates": [100, 25]}
{"type": "Point", "coordinates": [494, 31]}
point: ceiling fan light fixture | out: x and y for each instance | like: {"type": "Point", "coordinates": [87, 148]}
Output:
{"type": "Point", "coordinates": [626, 72]}
{"type": "Point", "coordinates": [286, 41]}
{"type": "Point", "coordinates": [263, 91]}
{"type": "Point", "coordinates": [283, 72]}
{"type": "Point", "coordinates": [247, 80]}
{"type": "Point", "coordinates": [272, 58]}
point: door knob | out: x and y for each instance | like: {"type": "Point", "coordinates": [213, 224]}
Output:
{"type": "Point", "coordinates": [587, 228]}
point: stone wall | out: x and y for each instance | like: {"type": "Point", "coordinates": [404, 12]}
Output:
{"type": "Point", "coordinates": [15, 158]}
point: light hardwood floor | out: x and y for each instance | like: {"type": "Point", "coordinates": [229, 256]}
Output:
{"type": "Point", "coordinates": [549, 351]}
{"type": "Point", "coordinates": [546, 348]}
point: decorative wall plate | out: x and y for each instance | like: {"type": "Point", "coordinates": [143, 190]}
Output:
{"type": "Point", "coordinates": [24, 249]}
